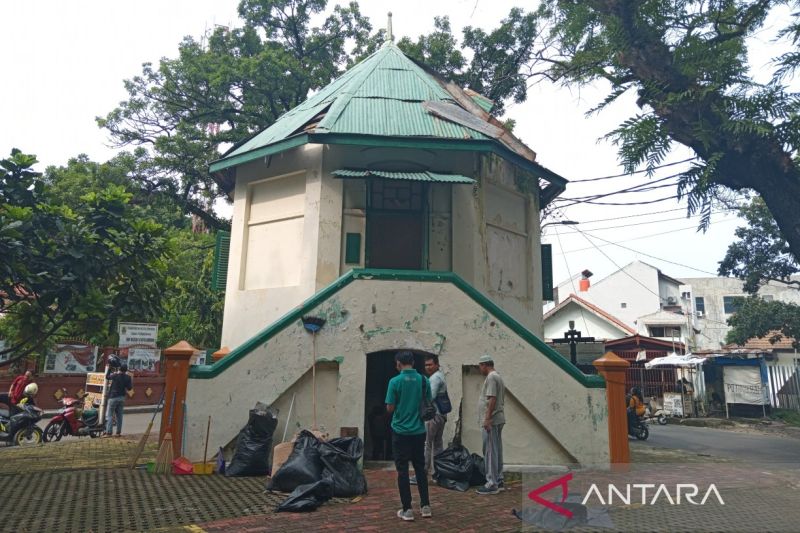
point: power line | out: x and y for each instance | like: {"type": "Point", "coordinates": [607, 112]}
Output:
{"type": "Point", "coordinates": [634, 216]}
{"type": "Point", "coordinates": [651, 256]}
{"type": "Point", "coordinates": [648, 289]}
{"type": "Point", "coordinates": [641, 187]}
{"type": "Point", "coordinates": [646, 215]}
{"type": "Point", "coordinates": [572, 280]}
{"type": "Point", "coordinates": [619, 203]}
{"type": "Point", "coordinates": [650, 235]}
{"type": "Point", "coordinates": [647, 222]}
{"type": "Point", "coordinates": [648, 170]}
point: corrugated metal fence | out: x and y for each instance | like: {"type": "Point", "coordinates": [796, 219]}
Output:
{"type": "Point", "coordinates": [784, 386]}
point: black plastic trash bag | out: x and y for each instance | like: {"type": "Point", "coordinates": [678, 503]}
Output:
{"type": "Point", "coordinates": [307, 497]}
{"type": "Point", "coordinates": [550, 520]}
{"type": "Point", "coordinates": [340, 459]}
{"type": "Point", "coordinates": [451, 484]}
{"type": "Point", "coordinates": [304, 465]}
{"type": "Point", "coordinates": [453, 463]}
{"type": "Point", "coordinates": [478, 476]}
{"type": "Point", "coordinates": [254, 446]}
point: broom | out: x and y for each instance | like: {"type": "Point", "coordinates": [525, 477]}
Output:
{"type": "Point", "coordinates": [143, 440]}
{"type": "Point", "coordinates": [165, 453]}
{"type": "Point", "coordinates": [313, 324]}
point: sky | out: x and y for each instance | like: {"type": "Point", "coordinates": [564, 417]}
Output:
{"type": "Point", "coordinates": [64, 63]}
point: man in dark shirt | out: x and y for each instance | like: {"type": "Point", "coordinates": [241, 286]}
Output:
{"type": "Point", "coordinates": [120, 386]}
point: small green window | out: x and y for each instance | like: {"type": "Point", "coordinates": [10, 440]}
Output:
{"type": "Point", "coordinates": [547, 272]}
{"type": "Point", "coordinates": [219, 275]}
{"type": "Point", "coordinates": [352, 254]}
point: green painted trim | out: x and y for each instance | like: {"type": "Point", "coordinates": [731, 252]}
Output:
{"type": "Point", "coordinates": [219, 271]}
{"type": "Point", "coordinates": [282, 146]}
{"type": "Point", "coordinates": [352, 254]}
{"type": "Point", "coordinates": [558, 183]}
{"type": "Point", "coordinates": [207, 372]}
{"type": "Point", "coordinates": [465, 145]}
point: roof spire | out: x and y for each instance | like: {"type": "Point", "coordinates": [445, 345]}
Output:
{"type": "Point", "coordinates": [389, 35]}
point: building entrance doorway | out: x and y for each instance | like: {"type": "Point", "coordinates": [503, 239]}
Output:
{"type": "Point", "coordinates": [377, 431]}
{"type": "Point", "coordinates": [396, 224]}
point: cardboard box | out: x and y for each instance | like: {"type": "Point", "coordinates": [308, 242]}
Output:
{"type": "Point", "coordinates": [280, 454]}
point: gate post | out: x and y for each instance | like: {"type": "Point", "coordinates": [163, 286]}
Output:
{"type": "Point", "coordinates": [219, 354]}
{"type": "Point", "coordinates": [612, 368]}
{"type": "Point", "coordinates": [176, 359]}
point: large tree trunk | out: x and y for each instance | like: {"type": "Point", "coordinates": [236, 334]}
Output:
{"type": "Point", "coordinates": [749, 161]}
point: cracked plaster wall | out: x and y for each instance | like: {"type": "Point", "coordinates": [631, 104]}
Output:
{"type": "Point", "coordinates": [551, 417]}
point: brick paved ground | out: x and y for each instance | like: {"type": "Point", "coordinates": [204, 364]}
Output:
{"type": "Point", "coordinates": [376, 511]}
{"type": "Point", "coordinates": [80, 486]}
{"type": "Point", "coordinates": [73, 454]}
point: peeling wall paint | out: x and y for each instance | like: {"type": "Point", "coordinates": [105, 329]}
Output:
{"type": "Point", "coordinates": [456, 328]}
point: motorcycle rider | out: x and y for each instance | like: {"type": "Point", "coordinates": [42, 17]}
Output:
{"type": "Point", "coordinates": [636, 406]}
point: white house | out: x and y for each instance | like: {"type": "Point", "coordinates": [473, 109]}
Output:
{"type": "Point", "coordinates": [640, 296]}
{"type": "Point", "coordinates": [591, 320]}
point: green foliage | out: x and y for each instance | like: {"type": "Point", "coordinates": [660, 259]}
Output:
{"type": "Point", "coordinates": [234, 82]}
{"type": "Point", "coordinates": [226, 87]}
{"type": "Point", "coordinates": [789, 417]}
{"type": "Point", "coordinates": [70, 265]}
{"type": "Point", "coordinates": [686, 62]}
{"type": "Point", "coordinates": [191, 310]}
{"type": "Point", "coordinates": [760, 318]}
{"type": "Point", "coordinates": [761, 254]}
{"type": "Point", "coordinates": [497, 58]}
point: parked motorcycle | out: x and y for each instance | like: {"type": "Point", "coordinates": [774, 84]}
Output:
{"type": "Point", "coordinates": [638, 428]}
{"type": "Point", "coordinates": [19, 427]}
{"type": "Point", "coordinates": [655, 412]}
{"type": "Point", "coordinates": [73, 419]}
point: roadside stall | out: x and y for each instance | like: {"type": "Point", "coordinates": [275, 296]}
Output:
{"type": "Point", "coordinates": [688, 397]}
{"type": "Point", "coordinates": [739, 379]}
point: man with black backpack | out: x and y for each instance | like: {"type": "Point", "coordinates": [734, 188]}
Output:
{"type": "Point", "coordinates": [408, 398]}
{"type": "Point", "coordinates": [434, 428]}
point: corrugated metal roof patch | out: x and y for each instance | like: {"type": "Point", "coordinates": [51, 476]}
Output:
{"type": "Point", "coordinates": [410, 175]}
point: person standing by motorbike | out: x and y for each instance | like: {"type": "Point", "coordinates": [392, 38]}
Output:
{"type": "Point", "coordinates": [17, 389]}
{"type": "Point", "coordinates": [121, 385]}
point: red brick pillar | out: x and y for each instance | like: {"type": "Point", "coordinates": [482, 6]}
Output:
{"type": "Point", "coordinates": [612, 368]}
{"type": "Point", "coordinates": [176, 359]}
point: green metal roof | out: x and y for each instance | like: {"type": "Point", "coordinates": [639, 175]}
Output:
{"type": "Point", "coordinates": [379, 96]}
{"type": "Point", "coordinates": [482, 101]}
{"type": "Point", "coordinates": [413, 176]}
{"type": "Point", "coordinates": [379, 100]}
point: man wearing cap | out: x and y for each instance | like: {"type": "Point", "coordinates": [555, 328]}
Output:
{"type": "Point", "coordinates": [491, 419]}
{"type": "Point", "coordinates": [403, 399]}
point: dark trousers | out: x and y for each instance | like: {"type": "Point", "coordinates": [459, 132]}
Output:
{"type": "Point", "coordinates": [410, 448]}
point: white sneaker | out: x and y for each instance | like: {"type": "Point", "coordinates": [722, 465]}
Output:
{"type": "Point", "coordinates": [426, 511]}
{"type": "Point", "coordinates": [407, 515]}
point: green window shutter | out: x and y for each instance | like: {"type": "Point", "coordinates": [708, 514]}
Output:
{"type": "Point", "coordinates": [352, 254]}
{"type": "Point", "coordinates": [219, 275]}
{"type": "Point", "coordinates": [547, 272]}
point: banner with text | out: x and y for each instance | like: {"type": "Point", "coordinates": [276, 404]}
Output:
{"type": "Point", "coordinates": [743, 385]}
{"type": "Point", "coordinates": [138, 344]}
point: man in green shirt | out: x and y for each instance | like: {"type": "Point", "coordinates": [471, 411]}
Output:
{"type": "Point", "coordinates": [403, 399]}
